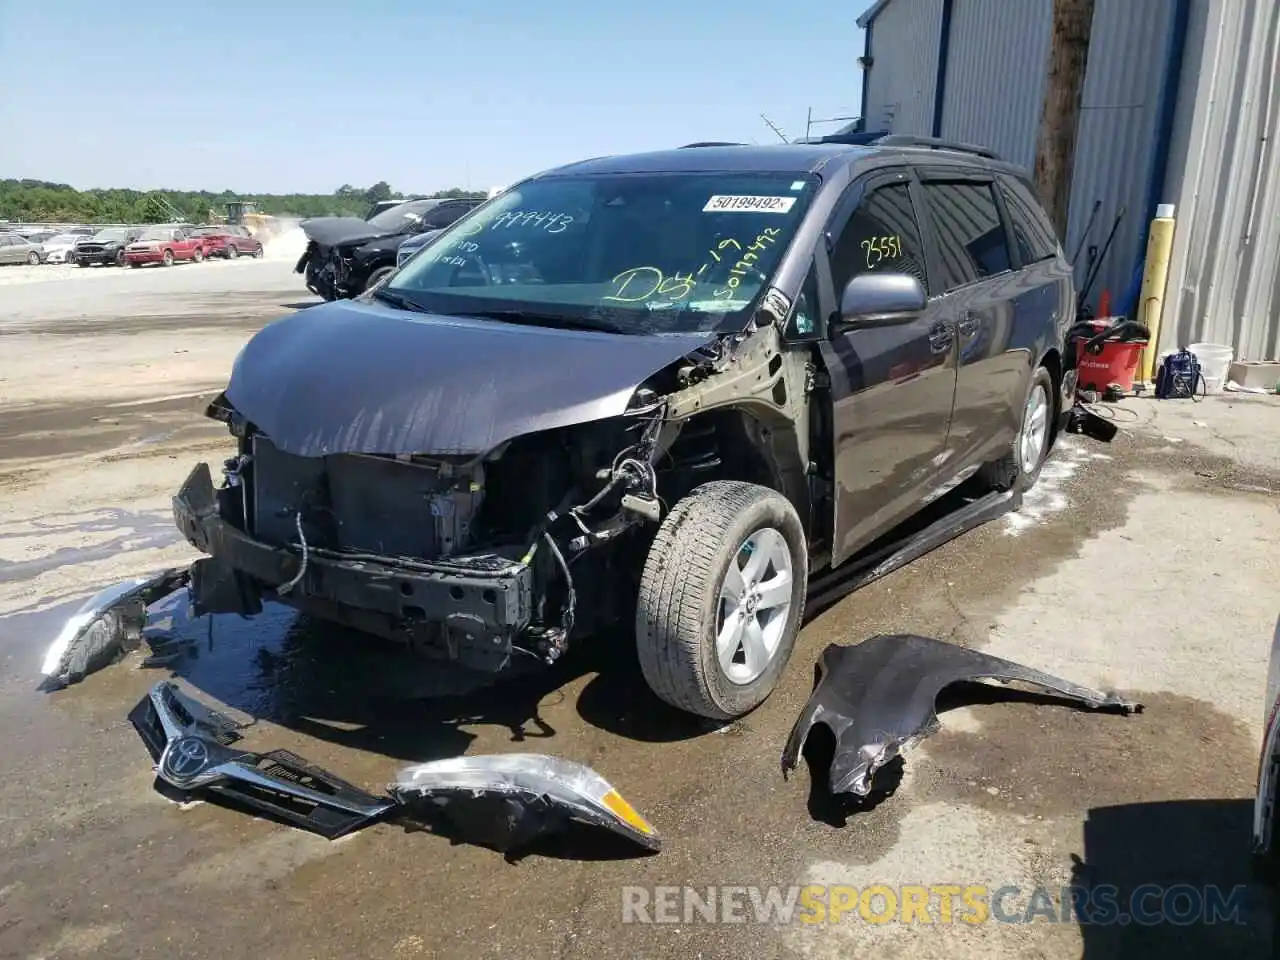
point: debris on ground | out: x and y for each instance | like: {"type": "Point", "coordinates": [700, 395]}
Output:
{"type": "Point", "coordinates": [879, 697]}
{"type": "Point", "coordinates": [193, 749]}
{"type": "Point", "coordinates": [508, 800]}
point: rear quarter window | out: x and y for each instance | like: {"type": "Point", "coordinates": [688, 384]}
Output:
{"type": "Point", "coordinates": [1032, 232]}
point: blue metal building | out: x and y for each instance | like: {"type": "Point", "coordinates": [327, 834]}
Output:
{"type": "Point", "coordinates": [1181, 104]}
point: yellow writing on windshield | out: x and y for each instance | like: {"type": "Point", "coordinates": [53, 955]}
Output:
{"type": "Point", "coordinates": [642, 283]}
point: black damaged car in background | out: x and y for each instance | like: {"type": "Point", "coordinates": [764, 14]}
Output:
{"type": "Point", "coordinates": [105, 248]}
{"type": "Point", "coordinates": [640, 400]}
{"type": "Point", "coordinates": [346, 255]}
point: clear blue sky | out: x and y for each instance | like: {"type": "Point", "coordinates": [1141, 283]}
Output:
{"type": "Point", "coordinates": [281, 96]}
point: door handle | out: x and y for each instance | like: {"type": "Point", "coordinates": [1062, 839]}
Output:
{"type": "Point", "coordinates": [940, 338]}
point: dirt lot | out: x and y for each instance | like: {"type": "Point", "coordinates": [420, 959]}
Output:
{"type": "Point", "coordinates": [1150, 565]}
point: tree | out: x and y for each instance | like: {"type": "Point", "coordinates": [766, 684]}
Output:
{"type": "Point", "coordinates": [378, 192]}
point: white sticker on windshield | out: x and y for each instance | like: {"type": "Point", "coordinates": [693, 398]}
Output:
{"type": "Point", "coordinates": [742, 204]}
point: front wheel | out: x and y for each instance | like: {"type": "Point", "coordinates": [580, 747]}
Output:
{"type": "Point", "coordinates": [377, 277]}
{"type": "Point", "coordinates": [197, 255]}
{"type": "Point", "coordinates": [721, 599]}
{"type": "Point", "coordinates": [232, 251]}
{"type": "Point", "coordinates": [33, 258]}
{"type": "Point", "coordinates": [168, 258]}
{"type": "Point", "coordinates": [120, 260]}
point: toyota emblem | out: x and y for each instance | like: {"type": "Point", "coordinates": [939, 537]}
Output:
{"type": "Point", "coordinates": [185, 758]}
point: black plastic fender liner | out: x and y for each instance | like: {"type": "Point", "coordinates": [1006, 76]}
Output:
{"type": "Point", "coordinates": [878, 698]}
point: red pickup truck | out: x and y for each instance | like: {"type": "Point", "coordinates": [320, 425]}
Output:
{"type": "Point", "coordinates": [163, 245]}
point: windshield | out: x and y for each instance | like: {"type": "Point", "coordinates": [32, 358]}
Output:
{"type": "Point", "coordinates": [106, 236]}
{"type": "Point", "coordinates": [633, 253]}
{"type": "Point", "coordinates": [157, 233]}
{"type": "Point", "coordinates": [397, 216]}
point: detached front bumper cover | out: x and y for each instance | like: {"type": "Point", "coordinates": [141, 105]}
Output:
{"type": "Point", "coordinates": [193, 749]}
{"type": "Point", "coordinates": [536, 794]}
{"type": "Point", "coordinates": [878, 698]}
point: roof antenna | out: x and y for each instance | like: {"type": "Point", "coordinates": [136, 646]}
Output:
{"type": "Point", "coordinates": [772, 126]}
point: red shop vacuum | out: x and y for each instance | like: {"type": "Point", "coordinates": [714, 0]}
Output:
{"type": "Point", "coordinates": [1107, 354]}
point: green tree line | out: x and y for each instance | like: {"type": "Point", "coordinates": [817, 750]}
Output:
{"type": "Point", "coordinates": [37, 201]}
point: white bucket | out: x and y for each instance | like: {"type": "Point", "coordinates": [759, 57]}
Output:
{"type": "Point", "coordinates": [1215, 362]}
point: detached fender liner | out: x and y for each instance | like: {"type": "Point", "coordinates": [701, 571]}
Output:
{"type": "Point", "coordinates": [480, 603]}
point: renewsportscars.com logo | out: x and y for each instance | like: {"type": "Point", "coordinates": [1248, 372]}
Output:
{"type": "Point", "coordinates": [942, 903]}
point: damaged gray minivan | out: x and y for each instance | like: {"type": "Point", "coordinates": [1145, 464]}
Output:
{"type": "Point", "coordinates": [640, 399]}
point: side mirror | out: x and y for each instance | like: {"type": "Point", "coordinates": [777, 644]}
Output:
{"type": "Point", "coordinates": [881, 299]}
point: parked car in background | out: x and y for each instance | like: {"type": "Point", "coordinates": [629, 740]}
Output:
{"type": "Point", "coordinates": [382, 205]}
{"type": "Point", "coordinates": [164, 245]}
{"type": "Point", "coordinates": [37, 236]}
{"type": "Point", "coordinates": [15, 248]}
{"type": "Point", "coordinates": [106, 247]}
{"type": "Point", "coordinates": [412, 245]}
{"type": "Point", "coordinates": [714, 370]}
{"type": "Point", "coordinates": [227, 240]}
{"type": "Point", "coordinates": [346, 256]}
{"type": "Point", "coordinates": [60, 248]}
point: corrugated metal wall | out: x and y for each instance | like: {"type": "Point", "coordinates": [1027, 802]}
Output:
{"type": "Point", "coordinates": [904, 74]}
{"type": "Point", "coordinates": [1223, 172]}
{"type": "Point", "coordinates": [1224, 175]}
{"type": "Point", "coordinates": [997, 55]}
{"type": "Point", "coordinates": [1117, 134]}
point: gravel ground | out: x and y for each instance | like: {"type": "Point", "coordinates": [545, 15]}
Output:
{"type": "Point", "coordinates": [1149, 565]}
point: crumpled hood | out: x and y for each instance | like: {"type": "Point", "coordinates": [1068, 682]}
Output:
{"type": "Point", "coordinates": [331, 231]}
{"type": "Point", "coordinates": [355, 377]}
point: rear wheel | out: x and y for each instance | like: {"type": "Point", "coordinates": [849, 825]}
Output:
{"type": "Point", "coordinates": [1020, 468]}
{"type": "Point", "coordinates": [232, 251]}
{"type": "Point", "coordinates": [721, 599]}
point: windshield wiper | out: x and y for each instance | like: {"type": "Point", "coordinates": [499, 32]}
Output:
{"type": "Point", "coordinates": [398, 301]}
{"type": "Point", "coordinates": [532, 318]}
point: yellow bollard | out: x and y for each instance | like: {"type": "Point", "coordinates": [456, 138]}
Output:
{"type": "Point", "coordinates": [1154, 277]}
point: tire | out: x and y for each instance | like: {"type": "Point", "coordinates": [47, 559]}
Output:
{"type": "Point", "coordinates": [120, 260]}
{"type": "Point", "coordinates": [680, 606]}
{"type": "Point", "coordinates": [168, 258]}
{"type": "Point", "coordinates": [1019, 469]}
{"type": "Point", "coordinates": [33, 259]}
{"type": "Point", "coordinates": [232, 251]}
{"type": "Point", "coordinates": [85, 263]}
{"type": "Point", "coordinates": [135, 266]}
{"type": "Point", "coordinates": [257, 254]}
{"type": "Point", "coordinates": [377, 277]}
{"type": "Point", "coordinates": [197, 255]}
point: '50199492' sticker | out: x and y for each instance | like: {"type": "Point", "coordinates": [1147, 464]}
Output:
{"type": "Point", "coordinates": [724, 203]}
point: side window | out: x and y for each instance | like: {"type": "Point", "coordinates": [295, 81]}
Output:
{"type": "Point", "coordinates": [882, 237]}
{"type": "Point", "coordinates": [1032, 231]}
{"type": "Point", "coordinates": [443, 216]}
{"type": "Point", "coordinates": [971, 237]}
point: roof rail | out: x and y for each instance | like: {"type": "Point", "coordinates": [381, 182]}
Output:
{"type": "Point", "coordinates": [936, 143]}
{"type": "Point", "coordinates": [712, 143]}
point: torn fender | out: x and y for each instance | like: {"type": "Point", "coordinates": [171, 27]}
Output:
{"type": "Point", "coordinates": [878, 697]}
{"type": "Point", "coordinates": [536, 794]}
{"type": "Point", "coordinates": [108, 626]}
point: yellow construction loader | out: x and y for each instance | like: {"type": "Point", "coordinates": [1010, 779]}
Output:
{"type": "Point", "coordinates": [245, 213]}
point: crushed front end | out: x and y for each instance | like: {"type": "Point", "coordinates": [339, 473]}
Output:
{"type": "Point", "coordinates": [469, 559]}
